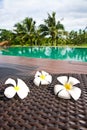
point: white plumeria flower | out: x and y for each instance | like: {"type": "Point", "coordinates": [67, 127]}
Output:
{"type": "Point", "coordinates": [67, 89]}
{"type": "Point", "coordinates": [42, 78]}
{"type": "Point", "coordinates": [20, 88]}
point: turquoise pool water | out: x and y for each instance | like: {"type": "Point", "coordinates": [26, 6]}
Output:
{"type": "Point", "coordinates": [58, 53]}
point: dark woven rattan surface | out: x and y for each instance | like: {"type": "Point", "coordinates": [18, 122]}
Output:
{"type": "Point", "coordinates": [41, 109]}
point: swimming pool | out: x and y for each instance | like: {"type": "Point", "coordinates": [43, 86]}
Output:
{"type": "Point", "coordinates": [57, 53]}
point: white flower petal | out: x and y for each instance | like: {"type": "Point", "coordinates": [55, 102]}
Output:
{"type": "Point", "coordinates": [62, 79]}
{"type": "Point", "coordinates": [58, 88]}
{"type": "Point", "coordinates": [44, 82]}
{"type": "Point", "coordinates": [22, 85]}
{"type": "Point", "coordinates": [44, 73]}
{"type": "Point", "coordinates": [37, 81]}
{"type": "Point", "coordinates": [75, 93]}
{"type": "Point", "coordinates": [37, 74]}
{"type": "Point", "coordinates": [22, 94]}
{"type": "Point", "coordinates": [64, 94]}
{"type": "Point", "coordinates": [73, 80]}
{"type": "Point", "coordinates": [9, 92]}
{"type": "Point", "coordinates": [49, 78]}
{"type": "Point", "coordinates": [10, 81]}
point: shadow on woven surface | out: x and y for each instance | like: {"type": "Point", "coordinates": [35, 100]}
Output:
{"type": "Point", "coordinates": [42, 110]}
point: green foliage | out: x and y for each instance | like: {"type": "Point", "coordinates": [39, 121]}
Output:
{"type": "Point", "coordinates": [51, 28]}
{"type": "Point", "coordinates": [51, 33]}
{"type": "Point", "coordinates": [77, 38]}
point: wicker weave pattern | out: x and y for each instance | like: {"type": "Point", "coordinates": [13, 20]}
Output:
{"type": "Point", "coordinates": [42, 110]}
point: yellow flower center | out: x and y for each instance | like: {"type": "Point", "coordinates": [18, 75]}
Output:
{"type": "Point", "coordinates": [42, 76]}
{"type": "Point", "coordinates": [17, 88]}
{"type": "Point", "coordinates": [68, 86]}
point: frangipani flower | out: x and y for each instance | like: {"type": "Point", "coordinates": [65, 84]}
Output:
{"type": "Point", "coordinates": [42, 78]}
{"type": "Point", "coordinates": [67, 89]}
{"type": "Point", "coordinates": [20, 88]}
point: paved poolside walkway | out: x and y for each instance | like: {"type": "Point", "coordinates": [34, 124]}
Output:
{"type": "Point", "coordinates": [51, 66]}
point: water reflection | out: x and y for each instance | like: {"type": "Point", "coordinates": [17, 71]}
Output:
{"type": "Point", "coordinates": [75, 54]}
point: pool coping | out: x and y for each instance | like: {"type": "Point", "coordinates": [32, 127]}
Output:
{"type": "Point", "coordinates": [49, 65]}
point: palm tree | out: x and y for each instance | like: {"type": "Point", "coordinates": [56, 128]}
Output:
{"type": "Point", "coordinates": [6, 35]}
{"type": "Point", "coordinates": [25, 31]}
{"type": "Point", "coordinates": [51, 28]}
